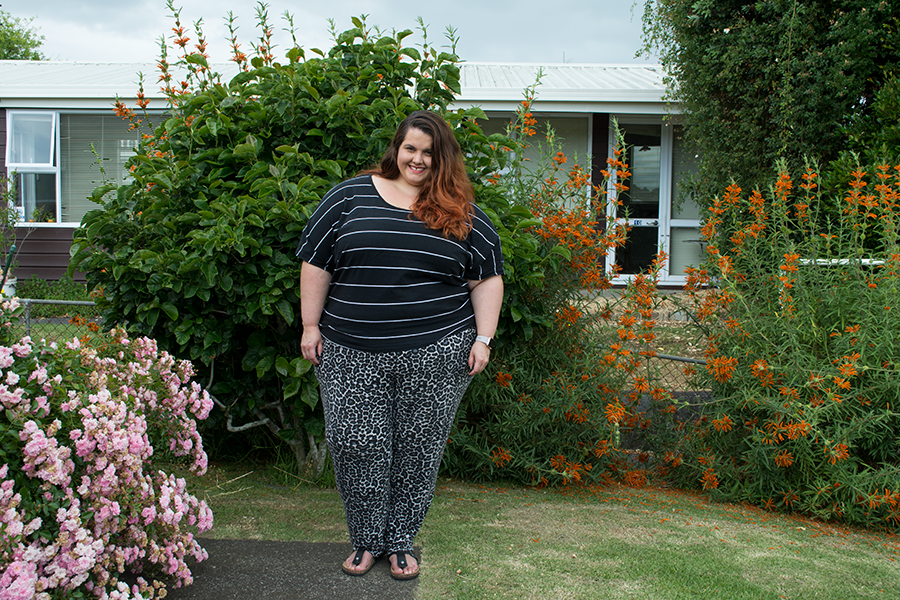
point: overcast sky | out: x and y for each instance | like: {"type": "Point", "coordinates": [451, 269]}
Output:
{"type": "Point", "coordinates": [576, 31]}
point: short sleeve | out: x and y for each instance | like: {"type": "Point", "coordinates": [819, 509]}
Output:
{"type": "Point", "coordinates": [317, 242]}
{"type": "Point", "coordinates": [486, 256]}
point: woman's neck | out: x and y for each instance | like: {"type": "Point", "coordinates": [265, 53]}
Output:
{"type": "Point", "coordinates": [396, 192]}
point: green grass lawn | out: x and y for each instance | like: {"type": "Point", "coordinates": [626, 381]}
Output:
{"type": "Point", "coordinates": [483, 542]}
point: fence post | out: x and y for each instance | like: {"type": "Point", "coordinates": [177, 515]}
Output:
{"type": "Point", "coordinates": [27, 302]}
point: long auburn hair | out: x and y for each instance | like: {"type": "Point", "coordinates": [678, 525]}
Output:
{"type": "Point", "coordinates": [444, 202]}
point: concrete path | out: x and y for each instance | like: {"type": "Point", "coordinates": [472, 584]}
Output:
{"type": "Point", "coordinates": [253, 569]}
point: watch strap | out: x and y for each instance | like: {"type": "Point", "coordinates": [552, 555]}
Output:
{"type": "Point", "coordinates": [487, 341]}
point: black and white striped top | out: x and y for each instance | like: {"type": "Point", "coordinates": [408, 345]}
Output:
{"type": "Point", "coordinates": [396, 285]}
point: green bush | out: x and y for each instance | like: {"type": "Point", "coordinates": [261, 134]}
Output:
{"type": "Point", "coordinates": [774, 79]}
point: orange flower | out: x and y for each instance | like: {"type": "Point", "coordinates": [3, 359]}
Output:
{"type": "Point", "coordinates": [838, 452]}
{"type": "Point", "coordinates": [723, 424]}
{"type": "Point", "coordinates": [615, 411]}
{"type": "Point", "coordinates": [503, 379]}
{"type": "Point", "coordinates": [709, 479]}
{"type": "Point", "coordinates": [847, 370]}
{"type": "Point", "coordinates": [672, 457]}
{"type": "Point", "coordinates": [789, 498]}
{"type": "Point", "coordinates": [578, 413]}
{"type": "Point", "coordinates": [568, 317]}
{"type": "Point", "coordinates": [602, 448]}
{"type": "Point", "coordinates": [500, 457]}
{"type": "Point", "coordinates": [722, 367]}
{"type": "Point", "coordinates": [641, 384]}
{"type": "Point", "coordinates": [789, 392]}
{"type": "Point", "coordinates": [784, 459]}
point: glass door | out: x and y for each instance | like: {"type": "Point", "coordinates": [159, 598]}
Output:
{"type": "Point", "coordinates": [640, 204]}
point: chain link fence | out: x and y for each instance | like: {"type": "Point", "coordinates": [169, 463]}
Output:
{"type": "Point", "coordinates": [677, 374]}
{"type": "Point", "coordinates": [60, 320]}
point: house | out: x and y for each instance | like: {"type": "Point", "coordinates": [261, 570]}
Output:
{"type": "Point", "coordinates": [582, 102]}
{"type": "Point", "coordinates": [57, 129]}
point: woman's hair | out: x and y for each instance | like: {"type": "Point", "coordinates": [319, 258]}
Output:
{"type": "Point", "coordinates": [444, 203]}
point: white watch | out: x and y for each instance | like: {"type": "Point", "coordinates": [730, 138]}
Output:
{"type": "Point", "coordinates": [487, 341]}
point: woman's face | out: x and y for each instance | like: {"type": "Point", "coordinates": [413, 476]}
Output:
{"type": "Point", "coordinates": [414, 157]}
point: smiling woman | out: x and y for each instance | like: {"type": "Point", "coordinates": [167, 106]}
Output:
{"type": "Point", "coordinates": [400, 296]}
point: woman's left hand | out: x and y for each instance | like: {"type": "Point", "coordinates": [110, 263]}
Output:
{"type": "Point", "coordinates": [478, 358]}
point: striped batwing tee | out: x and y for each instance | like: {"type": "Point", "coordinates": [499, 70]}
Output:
{"type": "Point", "coordinates": [396, 285]}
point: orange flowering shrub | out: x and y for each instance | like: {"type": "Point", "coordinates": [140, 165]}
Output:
{"type": "Point", "coordinates": [798, 298]}
{"type": "Point", "coordinates": [550, 410]}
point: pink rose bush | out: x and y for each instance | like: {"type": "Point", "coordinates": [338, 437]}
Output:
{"type": "Point", "coordinates": [82, 508]}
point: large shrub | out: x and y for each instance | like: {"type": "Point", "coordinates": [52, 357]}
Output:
{"type": "Point", "coordinates": [197, 251]}
{"type": "Point", "coordinates": [803, 360]}
{"type": "Point", "coordinates": [84, 506]}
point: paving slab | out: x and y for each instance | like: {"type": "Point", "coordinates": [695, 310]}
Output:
{"type": "Point", "coordinates": [245, 569]}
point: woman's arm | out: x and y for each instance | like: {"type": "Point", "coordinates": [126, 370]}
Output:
{"type": "Point", "coordinates": [314, 284]}
{"type": "Point", "coordinates": [487, 297]}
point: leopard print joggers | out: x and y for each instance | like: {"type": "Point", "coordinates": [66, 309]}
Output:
{"type": "Point", "coordinates": [387, 419]}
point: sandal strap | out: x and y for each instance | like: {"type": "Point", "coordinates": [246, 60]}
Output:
{"type": "Point", "coordinates": [401, 559]}
{"type": "Point", "coordinates": [360, 554]}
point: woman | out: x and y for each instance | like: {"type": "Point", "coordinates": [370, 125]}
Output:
{"type": "Point", "coordinates": [401, 287]}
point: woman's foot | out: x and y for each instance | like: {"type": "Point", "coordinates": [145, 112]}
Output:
{"type": "Point", "coordinates": [404, 565]}
{"type": "Point", "coordinates": [358, 563]}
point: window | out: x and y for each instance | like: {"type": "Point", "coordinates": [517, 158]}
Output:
{"type": "Point", "coordinates": [31, 160]}
{"type": "Point", "coordinates": [53, 158]}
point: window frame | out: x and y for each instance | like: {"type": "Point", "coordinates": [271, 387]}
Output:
{"type": "Point", "coordinates": [666, 221]}
{"type": "Point", "coordinates": [15, 169]}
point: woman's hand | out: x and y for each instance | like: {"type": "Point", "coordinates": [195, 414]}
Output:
{"type": "Point", "coordinates": [311, 344]}
{"type": "Point", "coordinates": [478, 357]}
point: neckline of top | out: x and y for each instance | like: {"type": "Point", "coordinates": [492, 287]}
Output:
{"type": "Point", "coordinates": [385, 200]}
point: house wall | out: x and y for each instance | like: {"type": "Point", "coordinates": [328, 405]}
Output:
{"type": "Point", "coordinates": [44, 252]}
{"type": "Point", "coordinates": [3, 142]}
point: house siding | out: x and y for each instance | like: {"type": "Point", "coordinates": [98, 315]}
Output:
{"type": "Point", "coordinates": [3, 142]}
{"type": "Point", "coordinates": [44, 253]}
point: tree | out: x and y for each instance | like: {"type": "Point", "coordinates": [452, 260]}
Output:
{"type": "Point", "coordinates": [18, 39]}
{"type": "Point", "coordinates": [773, 79]}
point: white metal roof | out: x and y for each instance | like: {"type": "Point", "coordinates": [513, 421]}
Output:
{"type": "Point", "coordinates": [493, 86]}
{"type": "Point", "coordinates": [63, 84]}
{"type": "Point", "coordinates": [564, 87]}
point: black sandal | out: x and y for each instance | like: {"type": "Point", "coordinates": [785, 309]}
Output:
{"type": "Point", "coordinates": [401, 564]}
{"type": "Point", "coordinates": [357, 560]}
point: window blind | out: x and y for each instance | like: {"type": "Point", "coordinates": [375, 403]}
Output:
{"type": "Point", "coordinates": [80, 174]}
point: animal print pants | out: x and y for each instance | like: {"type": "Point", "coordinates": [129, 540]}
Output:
{"type": "Point", "coordinates": [387, 419]}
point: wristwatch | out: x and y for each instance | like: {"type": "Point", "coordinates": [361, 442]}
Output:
{"type": "Point", "coordinates": [487, 341]}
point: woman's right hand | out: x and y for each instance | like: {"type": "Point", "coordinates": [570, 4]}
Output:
{"type": "Point", "coordinates": [311, 344]}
